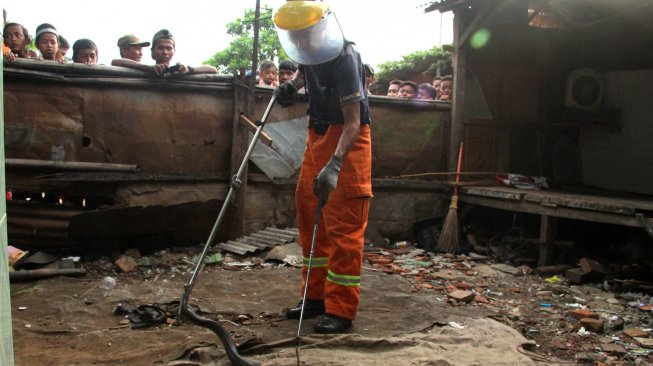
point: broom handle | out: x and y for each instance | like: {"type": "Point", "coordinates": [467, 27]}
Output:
{"type": "Point", "coordinates": [460, 160]}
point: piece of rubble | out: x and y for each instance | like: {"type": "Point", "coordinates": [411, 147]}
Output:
{"type": "Point", "coordinates": [613, 348]}
{"type": "Point", "coordinates": [126, 264]}
{"type": "Point", "coordinates": [481, 299]}
{"type": "Point", "coordinates": [589, 358]}
{"type": "Point", "coordinates": [593, 325]}
{"type": "Point", "coordinates": [593, 267]}
{"type": "Point", "coordinates": [577, 276]}
{"type": "Point", "coordinates": [635, 332]}
{"type": "Point", "coordinates": [553, 269]}
{"type": "Point", "coordinates": [507, 269]}
{"type": "Point", "coordinates": [582, 313]}
{"type": "Point", "coordinates": [461, 295]}
{"type": "Point", "coordinates": [644, 342]}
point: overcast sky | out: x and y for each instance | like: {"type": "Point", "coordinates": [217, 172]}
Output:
{"type": "Point", "coordinates": [384, 30]}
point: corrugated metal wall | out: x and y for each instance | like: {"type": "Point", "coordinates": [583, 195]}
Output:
{"type": "Point", "coordinates": [6, 340]}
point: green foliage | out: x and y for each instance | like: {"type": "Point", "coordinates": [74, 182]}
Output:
{"type": "Point", "coordinates": [237, 57]}
{"type": "Point", "coordinates": [425, 62]}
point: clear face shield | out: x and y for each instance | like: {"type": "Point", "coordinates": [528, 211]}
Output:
{"type": "Point", "coordinates": [316, 44]}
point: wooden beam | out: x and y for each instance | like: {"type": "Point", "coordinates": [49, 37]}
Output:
{"type": "Point", "coordinates": [252, 127]}
{"type": "Point", "coordinates": [469, 29]}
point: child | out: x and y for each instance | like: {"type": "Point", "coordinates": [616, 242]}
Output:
{"type": "Point", "coordinates": [268, 74]}
{"type": "Point", "coordinates": [17, 39]}
{"type": "Point", "coordinates": [369, 77]}
{"type": "Point", "coordinates": [408, 90]}
{"type": "Point", "coordinates": [426, 91]}
{"type": "Point", "coordinates": [446, 89]}
{"type": "Point", "coordinates": [47, 41]}
{"type": "Point", "coordinates": [436, 84]}
{"type": "Point", "coordinates": [393, 89]}
{"type": "Point", "coordinates": [286, 71]}
{"type": "Point", "coordinates": [85, 52]}
{"type": "Point", "coordinates": [64, 46]}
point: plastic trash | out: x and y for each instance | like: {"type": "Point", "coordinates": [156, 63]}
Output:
{"type": "Point", "coordinates": [108, 283]}
{"type": "Point", "coordinates": [552, 279]}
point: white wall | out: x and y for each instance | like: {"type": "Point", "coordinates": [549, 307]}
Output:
{"type": "Point", "coordinates": [622, 161]}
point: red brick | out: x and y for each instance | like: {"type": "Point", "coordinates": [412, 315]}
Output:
{"type": "Point", "coordinates": [582, 313]}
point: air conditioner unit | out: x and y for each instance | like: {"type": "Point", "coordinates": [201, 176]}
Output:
{"type": "Point", "coordinates": [584, 90]}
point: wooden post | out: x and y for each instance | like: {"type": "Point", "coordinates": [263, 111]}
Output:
{"type": "Point", "coordinates": [548, 229]}
{"type": "Point", "coordinates": [240, 135]}
{"type": "Point", "coordinates": [458, 106]}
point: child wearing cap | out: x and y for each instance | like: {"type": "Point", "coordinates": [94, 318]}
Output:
{"type": "Point", "coordinates": [47, 41]}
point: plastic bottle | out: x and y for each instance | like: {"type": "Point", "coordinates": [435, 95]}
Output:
{"type": "Point", "coordinates": [108, 283]}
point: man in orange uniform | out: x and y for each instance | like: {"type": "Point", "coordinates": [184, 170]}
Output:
{"type": "Point", "coordinates": [336, 171]}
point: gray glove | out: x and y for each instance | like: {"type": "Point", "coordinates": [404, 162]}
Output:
{"type": "Point", "coordinates": [286, 93]}
{"type": "Point", "coordinates": [327, 180]}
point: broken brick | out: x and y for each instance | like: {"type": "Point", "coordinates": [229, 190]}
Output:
{"type": "Point", "coordinates": [582, 313]}
{"type": "Point", "coordinates": [482, 299]}
{"type": "Point", "coordinates": [461, 295]}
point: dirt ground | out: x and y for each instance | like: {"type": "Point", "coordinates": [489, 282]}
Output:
{"type": "Point", "coordinates": [405, 317]}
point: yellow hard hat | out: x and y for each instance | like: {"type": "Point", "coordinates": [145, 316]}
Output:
{"type": "Point", "coordinates": [299, 14]}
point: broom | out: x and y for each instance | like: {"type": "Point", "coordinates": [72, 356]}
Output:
{"type": "Point", "coordinates": [448, 241]}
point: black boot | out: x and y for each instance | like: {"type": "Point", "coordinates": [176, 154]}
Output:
{"type": "Point", "coordinates": [331, 324]}
{"type": "Point", "coordinates": [312, 308]}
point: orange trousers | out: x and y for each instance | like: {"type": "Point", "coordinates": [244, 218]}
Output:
{"type": "Point", "coordinates": [336, 265]}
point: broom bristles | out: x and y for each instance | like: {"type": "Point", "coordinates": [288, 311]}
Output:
{"type": "Point", "coordinates": [448, 241]}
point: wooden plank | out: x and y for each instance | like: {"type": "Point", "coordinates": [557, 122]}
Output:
{"type": "Point", "coordinates": [568, 213]}
{"type": "Point", "coordinates": [602, 204]}
{"type": "Point", "coordinates": [552, 198]}
{"type": "Point", "coordinates": [252, 127]}
{"type": "Point", "coordinates": [493, 193]}
{"type": "Point", "coordinates": [239, 143]}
